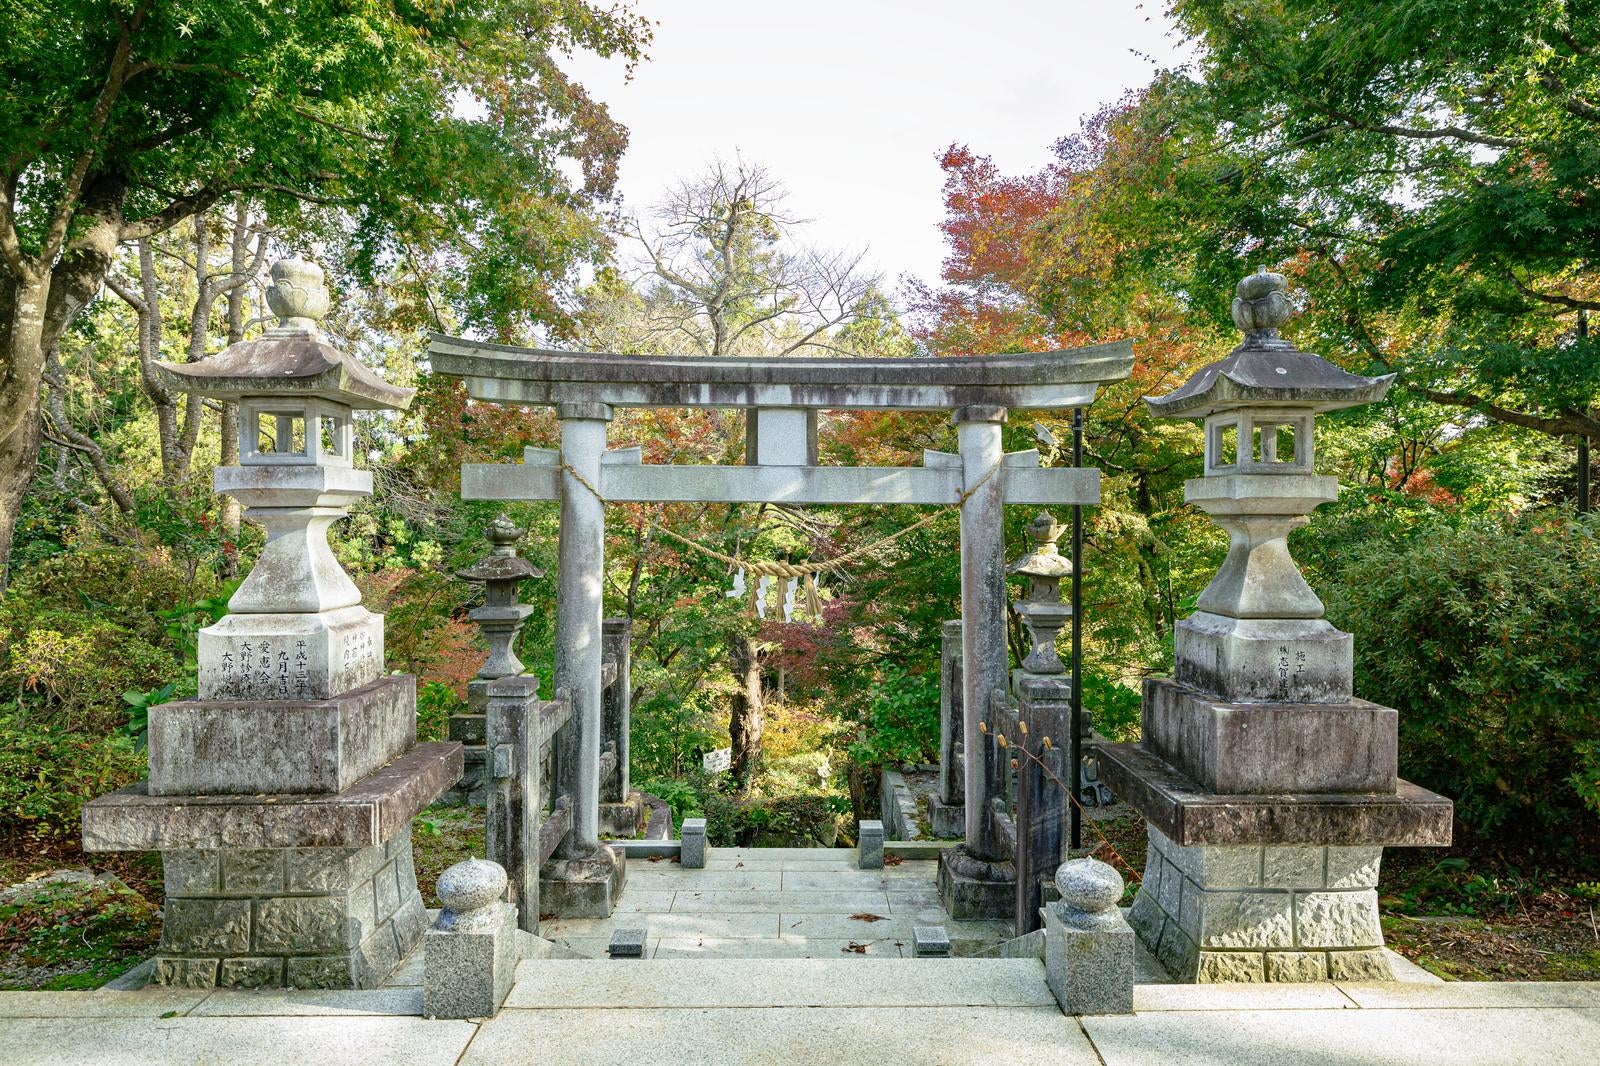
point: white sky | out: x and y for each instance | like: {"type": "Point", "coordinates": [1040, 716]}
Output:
{"type": "Point", "coordinates": [850, 103]}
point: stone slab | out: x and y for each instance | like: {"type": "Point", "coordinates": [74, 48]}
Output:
{"type": "Point", "coordinates": [299, 1041]}
{"type": "Point", "coordinates": [678, 983]}
{"type": "Point", "coordinates": [1370, 1037]}
{"type": "Point", "coordinates": [847, 902]}
{"type": "Point", "coordinates": [1475, 994]}
{"type": "Point", "coordinates": [1272, 748]}
{"type": "Point", "coordinates": [1245, 660]}
{"type": "Point", "coordinates": [665, 924]}
{"type": "Point", "coordinates": [234, 747]}
{"type": "Point", "coordinates": [781, 948]}
{"type": "Point", "coordinates": [707, 880]}
{"type": "Point", "coordinates": [1018, 1036]}
{"type": "Point", "coordinates": [308, 1003]}
{"type": "Point", "coordinates": [1190, 815]}
{"type": "Point", "coordinates": [293, 656]}
{"type": "Point", "coordinates": [375, 810]}
{"type": "Point", "coordinates": [1310, 996]}
{"type": "Point", "coordinates": [144, 1003]}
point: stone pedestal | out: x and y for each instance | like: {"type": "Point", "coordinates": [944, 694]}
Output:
{"type": "Point", "coordinates": [584, 886]}
{"type": "Point", "coordinates": [972, 889]}
{"type": "Point", "coordinates": [471, 953]}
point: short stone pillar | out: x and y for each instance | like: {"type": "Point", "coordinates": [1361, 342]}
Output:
{"type": "Point", "coordinates": [692, 851]}
{"type": "Point", "coordinates": [869, 845]}
{"type": "Point", "coordinates": [1088, 946]}
{"type": "Point", "coordinates": [470, 954]}
{"type": "Point", "coordinates": [947, 808]}
{"type": "Point", "coordinates": [622, 810]}
{"type": "Point", "coordinates": [500, 619]}
{"type": "Point", "coordinates": [1270, 791]}
{"type": "Point", "coordinates": [281, 798]}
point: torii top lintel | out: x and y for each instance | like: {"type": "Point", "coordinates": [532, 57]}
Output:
{"type": "Point", "coordinates": [1026, 381]}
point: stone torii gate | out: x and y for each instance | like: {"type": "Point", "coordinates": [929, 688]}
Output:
{"type": "Point", "coordinates": [782, 398]}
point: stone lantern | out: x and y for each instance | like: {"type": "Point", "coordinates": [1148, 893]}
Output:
{"type": "Point", "coordinates": [1269, 790]}
{"type": "Point", "coordinates": [501, 617]}
{"type": "Point", "coordinates": [281, 797]}
{"type": "Point", "coordinates": [1041, 609]}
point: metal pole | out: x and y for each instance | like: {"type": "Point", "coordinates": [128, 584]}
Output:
{"type": "Point", "coordinates": [1583, 441]}
{"type": "Point", "coordinates": [1075, 729]}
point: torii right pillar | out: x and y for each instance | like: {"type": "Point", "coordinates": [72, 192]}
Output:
{"type": "Point", "coordinates": [1270, 791]}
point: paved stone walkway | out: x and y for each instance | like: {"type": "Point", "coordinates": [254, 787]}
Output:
{"type": "Point", "coordinates": [776, 903]}
{"type": "Point", "coordinates": [796, 1011]}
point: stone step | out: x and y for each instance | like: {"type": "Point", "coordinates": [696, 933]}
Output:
{"type": "Point", "coordinates": [767, 983]}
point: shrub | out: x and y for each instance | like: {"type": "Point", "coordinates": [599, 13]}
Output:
{"type": "Point", "coordinates": [46, 775]}
{"type": "Point", "coordinates": [72, 668]}
{"type": "Point", "coordinates": [1485, 635]}
{"type": "Point", "coordinates": [902, 720]}
{"type": "Point", "coordinates": [130, 587]}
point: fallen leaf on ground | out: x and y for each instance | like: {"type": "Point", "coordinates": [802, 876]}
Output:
{"type": "Point", "coordinates": [865, 917]}
{"type": "Point", "coordinates": [859, 949]}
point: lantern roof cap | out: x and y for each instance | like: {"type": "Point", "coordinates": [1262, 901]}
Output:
{"type": "Point", "coordinates": [502, 563]}
{"type": "Point", "coordinates": [1265, 370]}
{"type": "Point", "coordinates": [1044, 560]}
{"type": "Point", "coordinates": [293, 358]}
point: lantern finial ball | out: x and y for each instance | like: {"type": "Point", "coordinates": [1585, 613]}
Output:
{"type": "Point", "coordinates": [298, 295]}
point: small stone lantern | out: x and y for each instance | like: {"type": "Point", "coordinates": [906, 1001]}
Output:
{"type": "Point", "coordinates": [501, 617]}
{"type": "Point", "coordinates": [1041, 609]}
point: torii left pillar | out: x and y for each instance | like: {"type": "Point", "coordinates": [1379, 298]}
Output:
{"type": "Point", "coordinates": [584, 879]}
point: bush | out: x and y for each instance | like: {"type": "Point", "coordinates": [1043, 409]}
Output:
{"type": "Point", "coordinates": [73, 668]}
{"type": "Point", "coordinates": [1485, 635]}
{"type": "Point", "coordinates": [902, 720]}
{"type": "Point", "coordinates": [46, 775]}
{"type": "Point", "coordinates": [130, 587]}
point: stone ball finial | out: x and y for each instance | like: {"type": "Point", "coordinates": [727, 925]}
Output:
{"type": "Point", "coordinates": [503, 533]}
{"type": "Point", "coordinates": [298, 294]}
{"type": "Point", "coordinates": [1088, 886]}
{"type": "Point", "coordinates": [471, 886]}
{"type": "Point", "coordinates": [1045, 530]}
{"type": "Point", "coordinates": [1261, 306]}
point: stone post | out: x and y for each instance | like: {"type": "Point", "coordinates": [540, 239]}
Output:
{"type": "Point", "coordinates": [512, 819]}
{"type": "Point", "coordinates": [945, 810]}
{"type": "Point", "coordinates": [471, 951]}
{"type": "Point", "coordinates": [1088, 946]}
{"type": "Point", "coordinates": [869, 845]}
{"type": "Point", "coordinates": [983, 624]}
{"type": "Point", "coordinates": [281, 798]}
{"type": "Point", "coordinates": [621, 809]}
{"type": "Point", "coordinates": [585, 878]}
{"type": "Point", "coordinates": [977, 878]}
{"type": "Point", "coordinates": [1269, 790]}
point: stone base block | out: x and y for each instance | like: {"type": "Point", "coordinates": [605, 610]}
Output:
{"type": "Point", "coordinates": [586, 887]}
{"type": "Point", "coordinates": [949, 821]}
{"type": "Point", "coordinates": [1089, 971]}
{"type": "Point", "coordinates": [290, 656]}
{"type": "Point", "coordinates": [623, 820]}
{"type": "Point", "coordinates": [375, 809]}
{"type": "Point", "coordinates": [1190, 814]}
{"type": "Point", "coordinates": [1247, 913]}
{"type": "Point", "coordinates": [970, 889]}
{"type": "Point", "coordinates": [467, 973]}
{"type": "Point", "coordinates": [473, 788]}
{"type": "Point", "coordinates": [288, 917]}
{"type": "Point", "coordinates": [1272, 748]}
{"type": "Point", "coordinates": [233, 747]}
{"type": "Point", "coordinates": [1253, 660]}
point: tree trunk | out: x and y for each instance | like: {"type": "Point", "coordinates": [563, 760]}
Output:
{"type": "Point", "coordinates": [21, 367]}
{"type": "Point", "coordinates": [748, 718]}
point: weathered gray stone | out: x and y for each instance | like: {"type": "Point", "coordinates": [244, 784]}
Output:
{"type": "Point", "coordinates": [1177, 952]}
{"type": "Point", "coordinates": [1271, 748]}
{"type": "Point", "coordinates": [386, 892]}
{"type": "Point", "coordinates": [1220, 967]}
{"type": "Point", "coordinates": [1337, 919]}
{"type": "Point", "coordinates": [171, 972]}
{"type": "Point", "coordinates": [692, 855]}
{"type": "Point", "coordinates": [1187, 813]}
{"type": "Point", "coordinates": [1246, 920]}
{"type": "Point", "coordinates": [300, 925]}
{"type": "Point", "coordinates": [1296, 966]}
{"type": "Point", "coordinates": [321, 971]}
{"type": "Point", "coordinates": [1300, 868]}
{"type": "Point", "coordinates": [187, 872]}
{"type": "Point", "coordinates": [869, 845]}
{"type": "Point", "coordinates": [470, 956]}
{"type": "Point", "coordinates": [968, 898]}
{"type": "Point", "coordinates": [320, 869]}
{"type": "Point", "coordinates": [1353, 867]}
{"type": "Point", "coordinates": [253, 871]}
{"type": "Point", "coordinates": [1359, 966]}
{"type": "Point", "coordinates": [379, 806]}
{"type": "Point", "coordinates": [930, 941]}
{"type": "Point", "coordinates": [1088, 955]}
{"type": "Point", "coordinates": [343, 651]}
{"type": "Point", "coordinates": [376, 958]}
{"type": "Point", "coordinates": [1251, 660]}
{"type": "Point", "coordinates": [206, 926]}
{"type": "Point", "coordinates": [626, 944]}
{"type": "Point", "coordinates": [232, 746]}
{"type": "Point", "coordinates": [584, 887]}
{"type": "Point", "coordinates": [252, 972]}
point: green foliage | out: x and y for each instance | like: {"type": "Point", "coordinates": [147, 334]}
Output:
{"type": "Point", "coordinates": [79, 935]}
{"type": "Point", "coordinates": [902, 720]}
{"type": "Point", "coordinates": [47, 774]}
{"type": "Point", "coordinates": [139, 704]}
{"type": "Point", "coordinates": [436, 702]}
{"type": "Point", "coordinates": [794, 821]}
{"type": "Point", "coordinates": [1485, 634]}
